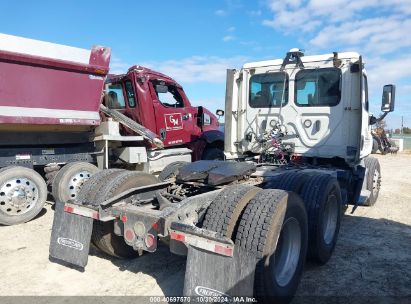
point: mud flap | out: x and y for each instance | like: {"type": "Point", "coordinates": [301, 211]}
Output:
{"type": "Point", "coordinates": [213, 275]}
{"type": "Point", "coordinates": [70, 237]}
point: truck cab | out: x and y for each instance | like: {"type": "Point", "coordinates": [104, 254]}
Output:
{"type": "Point", "coordinates": [313, 106]}
{"type": "Point", "coordinates": [160, 104]}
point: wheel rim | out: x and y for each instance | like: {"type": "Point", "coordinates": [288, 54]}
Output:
{"type": "Point", "coordinates": [376, 183]}
{"type": "Point", "coordinates": [287, 253]}
{"type": "Point", "coordinates": [76, 183]}
{"type": "Point", "coordinates": [18, 196]}
{"type": "Point", "coordinates": [330, 219]}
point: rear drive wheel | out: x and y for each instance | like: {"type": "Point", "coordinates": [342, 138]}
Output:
{"type": "Point", "coordinates": [373, 179]}
{"type": "Point", "coordinates": [225, 210]}
{"type": "Point", "coordinates": [292, 181]}
{"type": "Point", "coordinates": [322, 198]}
{"type": "Point", "coordinates": [274, 227]}
{"type": "Point", "coordinates": [103, 235]}
{"type": "Point", "coordinates": [70, 179]}
{"type": "Point", "coordinates": [91, 187]}
{"type": "Point", "coordinates": [23, 193]}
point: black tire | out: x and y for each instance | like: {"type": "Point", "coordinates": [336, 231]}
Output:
{"type": "Point", "coordinates": [293, 181]}
{"type": "Point", "coordinates": [374, 146]}
{"type": "Point", "coordinates": [50, 174]}
{"type": "Point", "coordinates": [171, 170]}
{"type": "Point", "coordinates": [22, 180]}
{"type": "Point", "coordinates": [103, 235]}
{"type": "Point", "coordinates": [322, 198]}
{"type": "Point", "coordinates": [93, 186]}
{"type": "Point", "coordinates": [223, 213]}
{"type": "Point", "coordinates": [213, 154]}
{"type": "Point", "coordinates": [70, 179]}
{"type": "Point", "coordinates": [373, 179]}
{"type": "Point", "coordinates": [266, 220]}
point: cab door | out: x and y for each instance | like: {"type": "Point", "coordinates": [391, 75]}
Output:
{"type": "Point", "coordinates": [121, 97]}
{"type": "Point", "coordinates": [176, 123]}
{"type": "Point", "coordinates": [319, 105]}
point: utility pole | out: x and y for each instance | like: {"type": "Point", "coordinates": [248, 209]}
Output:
{"type": "Point", "coordinates": [402, 125]}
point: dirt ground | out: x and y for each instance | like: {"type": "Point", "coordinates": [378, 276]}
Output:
{"type": "Point", "coordinates": [372, 256]}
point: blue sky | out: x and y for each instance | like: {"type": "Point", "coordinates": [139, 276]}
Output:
{"type": "Point", "coordinates": [196, 41]}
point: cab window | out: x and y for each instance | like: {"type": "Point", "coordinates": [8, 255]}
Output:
{"type": "Point", "coordinates": [268, 90]}
{"type": "Point", "coordinates": [168, 95]}
{"type": "Point", "coordinates": [115, 96]}
{"type": "Point", "coordinates": [318, 88]}
{"type": "Point", "coordinates": [130, 94]}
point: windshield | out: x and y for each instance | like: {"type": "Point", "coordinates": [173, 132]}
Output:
{"type": "Point", "coordinates": [269, 90]}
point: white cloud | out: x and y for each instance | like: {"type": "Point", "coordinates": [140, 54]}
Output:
{"type": "Point", "coordinates": [220, 13]}
{"type": "Point", "coordinates": [231, 29]}
{"type": "Point", "coordinates": [228, 38]}
{"type": "Point", "coordinates": [197, 69]}
{"type": "Point", "coordinates": [255, 13]}
{"type": "Point", "coordinates": [387, 71]}
{"type": "Point", "coordinates": [374, 35]}
{"type": "Point", "coordinates": [117, 66]}
{"type": "Point", "coordinates": [291, 15]}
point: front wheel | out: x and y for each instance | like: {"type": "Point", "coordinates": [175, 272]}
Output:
{"type": "Point", "coordinates": [213, 153]}
{"type": "Point", "coordinates": [372, 179]}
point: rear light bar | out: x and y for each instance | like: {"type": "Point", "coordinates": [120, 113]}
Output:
{"type": "Point", "coordinates": [203, 243]}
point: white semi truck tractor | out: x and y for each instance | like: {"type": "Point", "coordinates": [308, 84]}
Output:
{"type": "Point", "coordinates": [297, 145]}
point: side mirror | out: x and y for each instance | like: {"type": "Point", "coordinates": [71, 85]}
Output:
{"type": "Point", "coordinates": [161, 88]}
{"type": "Point", "coordinates": [219, 113]}
{"type": "Point", "coordinates": [388, 98]}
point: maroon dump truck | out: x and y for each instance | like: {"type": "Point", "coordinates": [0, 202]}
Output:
{"type": "Point", "coordinates": [55, 131]}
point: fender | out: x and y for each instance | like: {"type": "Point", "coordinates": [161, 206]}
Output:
{"type": "Point", "coordinates": [213, 136]}
{"type": "Point", "coordinates": [207, 138]}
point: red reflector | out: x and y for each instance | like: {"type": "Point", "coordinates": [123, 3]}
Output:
{"type": "Point", "coordinates": [178, 237]}
{"type": "Point", "coordinates": [68, 209]}
{"type": "Point", "coordinates": [129, 235]}
{"type": "Point", "coordinates": [155, 226]}
{"type": "Point", "coordinates": [223, 250]}
{"type": "Point", "coordinates": [124, 218]}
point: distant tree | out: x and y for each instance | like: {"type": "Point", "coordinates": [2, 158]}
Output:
{"type": "Point", "coordinates": [397, 131]}
{"type": "Point", "coordinates": [406, 130]}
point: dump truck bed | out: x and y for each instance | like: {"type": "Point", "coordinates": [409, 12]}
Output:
{"type": "Point", "coordinates": [43, 83]}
